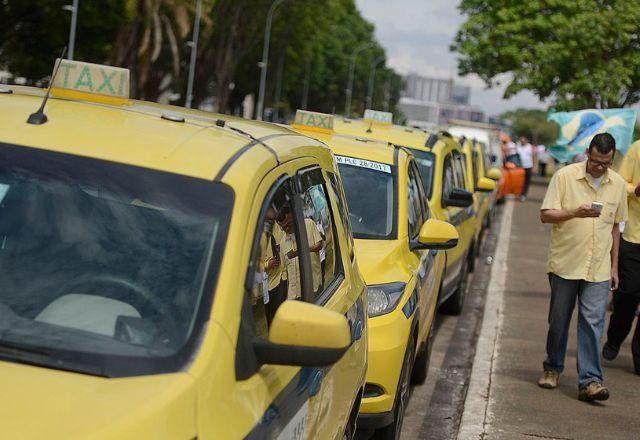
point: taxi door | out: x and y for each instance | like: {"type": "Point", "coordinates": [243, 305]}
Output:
{"type": "Point", "coordinates": [424, 270]}
{"type": "Point", "coordinates": [342, 290]}
{"type": "Point", "coordinates": [468, 216]}
{"type": "Point", "coordinates": [454, 215]}
{"type": "Point", "coordinates": [285, 400]}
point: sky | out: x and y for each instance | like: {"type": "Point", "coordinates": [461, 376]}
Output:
{"type": "Point", "coordinates": [417, 34]}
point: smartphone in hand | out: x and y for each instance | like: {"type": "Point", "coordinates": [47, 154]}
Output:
{"type": "Point", "coordinates": [597, 206]}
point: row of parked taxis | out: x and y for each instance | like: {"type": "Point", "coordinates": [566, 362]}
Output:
{"type": "Point", "coordinates": [172, 273]}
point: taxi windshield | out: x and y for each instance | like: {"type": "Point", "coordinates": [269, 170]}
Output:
{"type": "Point", "coordinates": [371, 200]}
{"type": "Point", "coordinates": [426, 162]}
{"type": "Point", "coordinates": [107, 269]}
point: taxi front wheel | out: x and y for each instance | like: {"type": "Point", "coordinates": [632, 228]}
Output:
{"type": "Point", "coordinates": [392, 431]}
{"type": "Point", "coordinates": [453, 305]}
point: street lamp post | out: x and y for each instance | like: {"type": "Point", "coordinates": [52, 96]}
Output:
{"type": "Point", "coordinates": [372, 77]}
{"type": "Point", "coordinates": [265, 59]}
{"type": "Point", "coordinates": [194, 54]}
{"type": "Point", "coordinates": [305, 89]}
{"type": "Point", "coordinates": [72, 30]}
{"type": "Point", "coordinates": [352, 68]}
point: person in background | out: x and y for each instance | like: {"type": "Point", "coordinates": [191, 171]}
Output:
{"type": "Point", "coordinates": [627, 298]}
{"type": "Point", "coordinates": [583, 261]}
{"type": "Point", "coordinates": [543, 159]}
{"type": "Point", "coordinates": [527, 155]}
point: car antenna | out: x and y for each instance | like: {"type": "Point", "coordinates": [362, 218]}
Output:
{"type": "Point", "coordinates": [39, 118]}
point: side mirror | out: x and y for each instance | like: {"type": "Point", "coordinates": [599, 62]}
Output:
{"type": "Point", "coordinates": [494, 173]}
{"type": "Point", "coordinates": [485, 185]}
{"type": "Point", "coordinates": [458, 197]}
{"type": "Point", "coordinates": [304, 335]}
{"type": "Point", "coordinates": [436, 234]}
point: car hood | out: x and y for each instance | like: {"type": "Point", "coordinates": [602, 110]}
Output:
{"type": "Point", "coordinates": [383, 261]}
{"type": "Point", "coordinates": [44, 403]}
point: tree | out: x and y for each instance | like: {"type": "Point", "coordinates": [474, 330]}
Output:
{"type": "Point", "coordinates": [531, 124]}
{"type": "Point", "coordinates": [152, 45]}
{"type": "Point", "coordinates": [578, 54]}
{"type": "Point", "coordinates": [34, 32]}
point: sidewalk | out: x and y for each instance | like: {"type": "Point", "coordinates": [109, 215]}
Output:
{"type": "Point", "coordinates": [504, 401]}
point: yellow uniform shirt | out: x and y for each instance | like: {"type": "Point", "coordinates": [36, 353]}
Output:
{"type": "Point", "coordinates": [580, 248]}
{"type": "Point", "coordinates": [630, 172]}
{"type": "Point", "coordinates": [292, 265]}
{"type": "Point", "coordinates": [271, 238]}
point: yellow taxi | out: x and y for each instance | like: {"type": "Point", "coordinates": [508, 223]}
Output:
{"type": "Point", "coordinates": [396, 243]}
{"type": "Point", "coordinates": [483, 187]}
{"type": "Point", "coordinates": [169, 273]}
{"type": "Point", "coordinates": [443, 171]}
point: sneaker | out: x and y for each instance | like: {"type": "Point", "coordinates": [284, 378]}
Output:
{"type": "Point", "coordinates": [549, 379]}
{"type": "Point", "coordinates": [593, 391]}
{"type": "Point", "coordinates": [523, 198]}
{"type": "Point", "coordinates": [609, 352]}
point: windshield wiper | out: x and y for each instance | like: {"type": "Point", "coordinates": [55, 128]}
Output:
{"type": "Point", "coordinates": [45, 358]}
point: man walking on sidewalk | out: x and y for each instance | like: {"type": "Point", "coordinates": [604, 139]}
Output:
{"type": "Point", "coordinates": [527, 155]}
{"type": "Point", "coordinates": [627, 298]}
{"type": "Point", "coordinates": [584, 202]}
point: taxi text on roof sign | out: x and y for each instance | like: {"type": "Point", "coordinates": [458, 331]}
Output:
{"type": "Point", "coordinates": [89, 81]}
{"type": "Point", "coordinates": [313, 121]}
{"type": "Point", "coordinates": [378, 116]}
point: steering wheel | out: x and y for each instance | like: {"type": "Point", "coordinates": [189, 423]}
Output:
{"type": "Point", "coordinates": [122, 289]}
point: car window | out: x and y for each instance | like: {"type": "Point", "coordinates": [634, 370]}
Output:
{"type": "Point", "coordinates": [338, 195]}
{"type": "Point", "coordinates": [426, 214]}
{"type": "Point", "coordinates": [458, 164]}
{"type": "Point", "coordinates": [416, 218]}
{"type": "Point", "coordinates": [448, 181]}
{"type": "Point", "coordinates": [275, 268]}
{"type": "Point", "coordinates": [474, 166]}
{"type": "Point", "coordinates": [104, 261]}
{"type": "Point", "coordinates": [425, 161]}
{"type": "Point", "coordinates": [370, 190]}
{"type": "Point", "coordinates": [320, 230]}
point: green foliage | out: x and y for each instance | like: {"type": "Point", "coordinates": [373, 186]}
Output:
{"type": "Point", "coordinates": [150, 38]}
{"type": "Point", "coordinates": [34, 32]}
{"type": "Point", "coordinates": [578, 53]}
{"type": "Point", "coordinates": [532, 124]}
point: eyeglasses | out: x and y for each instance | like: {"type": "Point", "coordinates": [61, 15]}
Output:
{"type": "Point", "coordinates": [599, 163]}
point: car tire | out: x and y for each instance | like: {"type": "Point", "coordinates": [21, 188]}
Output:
{"type": "Point", "coordinates": [453, 305]}
{"type": "Point", "coordinates": [421, 365]}
{"type": "Point", "coordinates": [392, 431]}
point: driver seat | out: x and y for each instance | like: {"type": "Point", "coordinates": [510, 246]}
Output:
{"type": "Point", "coordinates": [91, 313]}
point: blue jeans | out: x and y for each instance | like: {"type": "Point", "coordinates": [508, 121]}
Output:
{"type": "Point", "coordinates": [592, 305]}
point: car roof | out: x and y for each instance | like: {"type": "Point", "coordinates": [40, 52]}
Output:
{"type": "Point", "coordinates": [396, 134]}
{"type": "Point", "coordinates": [204, 145]}
{"type": "Point", "coordinates": [355, 146]}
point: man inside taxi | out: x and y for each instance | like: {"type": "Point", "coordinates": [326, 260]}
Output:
{"type": "Point", "coordinates": [585, 202]}
{"type": "Point", "coordinates": [277, 286]}
{"type": "Point", "coordinates": [627, 297]}
{"type": "Point", "coordinates": [289, 253]}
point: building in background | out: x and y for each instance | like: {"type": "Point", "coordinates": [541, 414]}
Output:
{"type": "Point", "coordinates": [427, 102]}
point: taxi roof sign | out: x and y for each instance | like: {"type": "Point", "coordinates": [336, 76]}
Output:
{"type": "Point", "coordinates": [378, 116]}
{"type": "Point", "coordinates": [96, 82]}
{"type": "Point", "coordinates": [313, 121]}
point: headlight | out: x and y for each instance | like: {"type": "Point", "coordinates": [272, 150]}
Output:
{"type": "Point", "coordinates": [383, 298]}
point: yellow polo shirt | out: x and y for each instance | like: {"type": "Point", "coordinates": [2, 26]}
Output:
{"type": "Point", "coordinates": [580, 248]}
{"type": "Point", "coordinates": [275, 273]}
{"type": "Point", "coordinates": [292, 265]}
{"type": "Point", "coordinates": [630, 172]}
